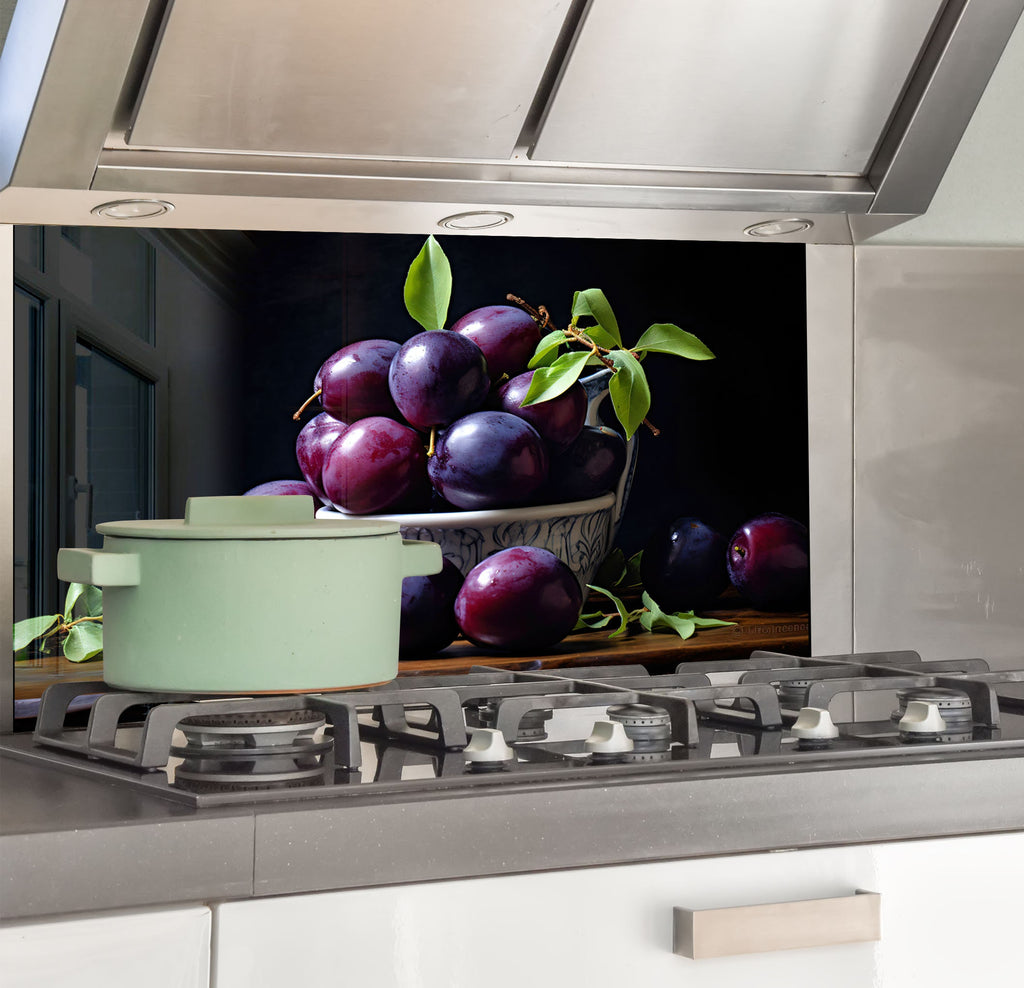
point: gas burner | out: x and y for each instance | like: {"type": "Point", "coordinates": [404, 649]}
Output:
{"type": "Point", "coordinates": [952, 706]}
{"type": "Point", "coordinates": [793, 693]}
{"type": "Point", "coordinates": [648, 727]}
{"type": "Point", "coordinates": [263, 772]}
{"type": "Point", "coordinates": [532, 726]}
{"type": "Point", "coordinates": [250, 732]}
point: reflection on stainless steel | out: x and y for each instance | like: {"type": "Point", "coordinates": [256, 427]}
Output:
{"type": "Point", "coordinates": [594, 726]}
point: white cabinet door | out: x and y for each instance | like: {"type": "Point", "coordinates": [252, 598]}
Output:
{"type": "Point", "coordinates": [160, 948]}
{"type": "Point", "coordinates": [597, 926]}
{"type": "Point", "coordinates": [952, 911]}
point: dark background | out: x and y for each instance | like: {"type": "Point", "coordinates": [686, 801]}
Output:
{"type": "Point", "coordinates": [733, 437]}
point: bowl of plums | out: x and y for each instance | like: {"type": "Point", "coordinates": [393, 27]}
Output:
{"type": "Point", "coordinates": [486, 437]}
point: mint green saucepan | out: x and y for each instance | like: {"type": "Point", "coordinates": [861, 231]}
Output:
{"type": "Point", "coordinates": [249, 594]}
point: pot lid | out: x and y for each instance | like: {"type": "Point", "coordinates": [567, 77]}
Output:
{"type": "Point", "coordinates": [271, 516]}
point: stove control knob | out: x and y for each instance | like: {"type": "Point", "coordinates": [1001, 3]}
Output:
{"type": "Point", "coordinates": [922, 717]}
{"type": "Point", "coordinates": [814, 724]}
{"type": "Point", "coordinates": [608, 738]}
{"type": "Point", "coordinates": [488, 745]}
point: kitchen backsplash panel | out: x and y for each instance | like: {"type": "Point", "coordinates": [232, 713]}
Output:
{"type": "Point", "coordinates": [733, 439]}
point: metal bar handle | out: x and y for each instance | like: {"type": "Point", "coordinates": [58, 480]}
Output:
{"type": "Point", "coordinates": [701, 933]}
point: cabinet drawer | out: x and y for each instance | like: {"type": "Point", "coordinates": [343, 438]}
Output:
{"type": "Point", "coordinates": [597, 926]}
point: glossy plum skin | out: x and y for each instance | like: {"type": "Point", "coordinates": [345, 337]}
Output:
{"type": "Point", "coordinates": [558, 420]}
{"type": "Point", "coordinates": [438, 376]}
{"type": "Point", "coordinates": [377, 464]}
{"type": "Point", "coordinates": [488, 460]}
{"type": "Point", "coordinates": [354, 381]}
{"type": "Point", "coordinates": [683, 566]}
{"type": "Point", "coordinates": [315, 438]}
{"type": "Point", "coordinates": [768, 562]}
{"type": "Point", "coordinates": [283, 487]}
{"type": "Point", "coordinates": [520, 599]}
{"type": "Point", "coordinates": [507, 336]}
{"type": "Point", "coordinates": [428, 611]}
{"type": "Point", "coordinates": [590, 466]}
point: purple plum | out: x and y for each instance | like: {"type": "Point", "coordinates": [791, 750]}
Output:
{"type": "Point", "coordinates": [283, 487]}
{"type": "Point", "coordinates": [519, 599]}
{"type": "Point", "coordinates": [559, 420]}
{"type": "Point", "coordinates": [438, 376]}
{"type": "Point", "coordinates": [591, 466]}
{"type": "Point", "coordinates": [768, 562]}
{"type": "Point", "coordinates": [683, 566]}
{"type": "Point", "coordinates": [377, 464]}
{"type": "Point", "coordinates": [353, 382]}
{"type": "Point", "coordinates": [428, 611]}
{"type": "Point", "coordinates": [507, 336]}
{"type": "Point", "coordinates": [488, 460]}
{"type": "Point", "coordinates": [315, 438]}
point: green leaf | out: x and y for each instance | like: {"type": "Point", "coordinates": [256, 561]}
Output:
{"type": "Point", "coordinates": [32, 628]}
{"type": "Point", "coordinates": [550, 382]}
{"type": "Point", "coordinates": [84, 641]}
{"type": "Point", "coordinates": [593, 303]}
{"type": "Point", "coordinates": [593, 621]}
{"type": "Point", "coordinates": [619, 606]}
{"type": "Point", "coordinates": [612, 569]}
{"type": "Point", "coordinates": [428, 286]}
{"type": "Point", "coordinates": [601, 338]}
{"type": "Point", "coordinates": [631, 397]}
{"type": "Point", "coordinates": [683, 627]}
{"type": "Point", "coordinates": [701, 622]}
{"type": "Point", "coordinates": [93, 598]}
{"type": "Point", "coordinates": [632, 577]}
{"type": "Point", "coordinates": [664, 337]}
{"type": "Point", "coordinates": [547, 349]}
{"type": "Point", "coordinates": [75, 590]}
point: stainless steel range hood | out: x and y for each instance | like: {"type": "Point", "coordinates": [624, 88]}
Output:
{"type": "Point", "coordinates": [572, 117]}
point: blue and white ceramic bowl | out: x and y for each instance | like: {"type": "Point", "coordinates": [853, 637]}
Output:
{"type": "Point", "coordinates": [580, 533]}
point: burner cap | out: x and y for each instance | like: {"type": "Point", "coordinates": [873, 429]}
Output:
{"type": "Point", "coordinates": [258, 730]}
{"type": "Point", "coordinates": [952, 705]}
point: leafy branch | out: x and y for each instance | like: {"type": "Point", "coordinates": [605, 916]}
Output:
{"type": "Point", "coordinates": [82, 636]}
{"type": "Point", "coordinates": [624, 575]}
{"type": "Point", "coordinates": [650, 617]}
{"type": "Point", "coordinates": [600, 342]}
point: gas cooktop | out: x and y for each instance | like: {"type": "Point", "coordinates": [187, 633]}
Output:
{"type": "Point", "coordinates": [490, 727]}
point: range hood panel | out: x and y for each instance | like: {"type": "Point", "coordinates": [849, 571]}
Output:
{"type": "Point", "coordinates": [448, 78]}
{"type": "Point", "coordinates": [778, 85]}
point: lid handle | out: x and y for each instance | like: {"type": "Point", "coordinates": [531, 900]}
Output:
{"type": "Point", "coordinates": [254, 509]}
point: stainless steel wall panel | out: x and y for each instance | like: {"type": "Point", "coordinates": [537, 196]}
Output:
{"type": "Point", "coordinates": [939, 451]}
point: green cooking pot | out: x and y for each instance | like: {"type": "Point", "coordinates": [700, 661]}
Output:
{"type": "Point", "coordinates": [249, 594]}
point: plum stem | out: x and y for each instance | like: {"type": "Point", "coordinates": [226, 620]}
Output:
{"type": "Point", "coordinates": [433, 442]}
{"type": "Point", "coordinates": [313, 397]}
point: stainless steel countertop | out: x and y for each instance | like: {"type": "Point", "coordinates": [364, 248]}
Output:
{"type": "Point", "coordinates": [69, 843]}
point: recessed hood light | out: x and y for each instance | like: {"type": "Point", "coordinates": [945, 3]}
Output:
{"type": "Point", "coordinates": [477, 219]}
{"type": "Point", "coordinates": [132, 209]}
{"type": "Point", "coordinates": [778, 228]}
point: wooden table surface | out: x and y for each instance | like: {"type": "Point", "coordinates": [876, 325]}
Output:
{"type": "Point", "coordinates": [659, 651]}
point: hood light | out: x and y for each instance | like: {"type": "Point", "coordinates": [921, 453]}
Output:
{"type": "Point", "coordinates": [132, 209]}
{"type": "Point", "coordinates": [479, 219]}
{"type": "Point", "coordinates": [778, 228]}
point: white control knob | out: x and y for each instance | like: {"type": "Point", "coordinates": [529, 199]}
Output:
{"type": "Point", "coordinates": [608, 737]}
{"type": "Point", "coordinates": [814, 724]}
{"type": "Point", "coordinates": [488, 745]}
{"type": "Point", "coordinates": [922, 717]}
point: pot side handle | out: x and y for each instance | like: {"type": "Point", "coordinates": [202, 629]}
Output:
{"type": "Point", "coordinates": [98, 568]}
{"type": "Point", "coordinates": [421, 558]}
